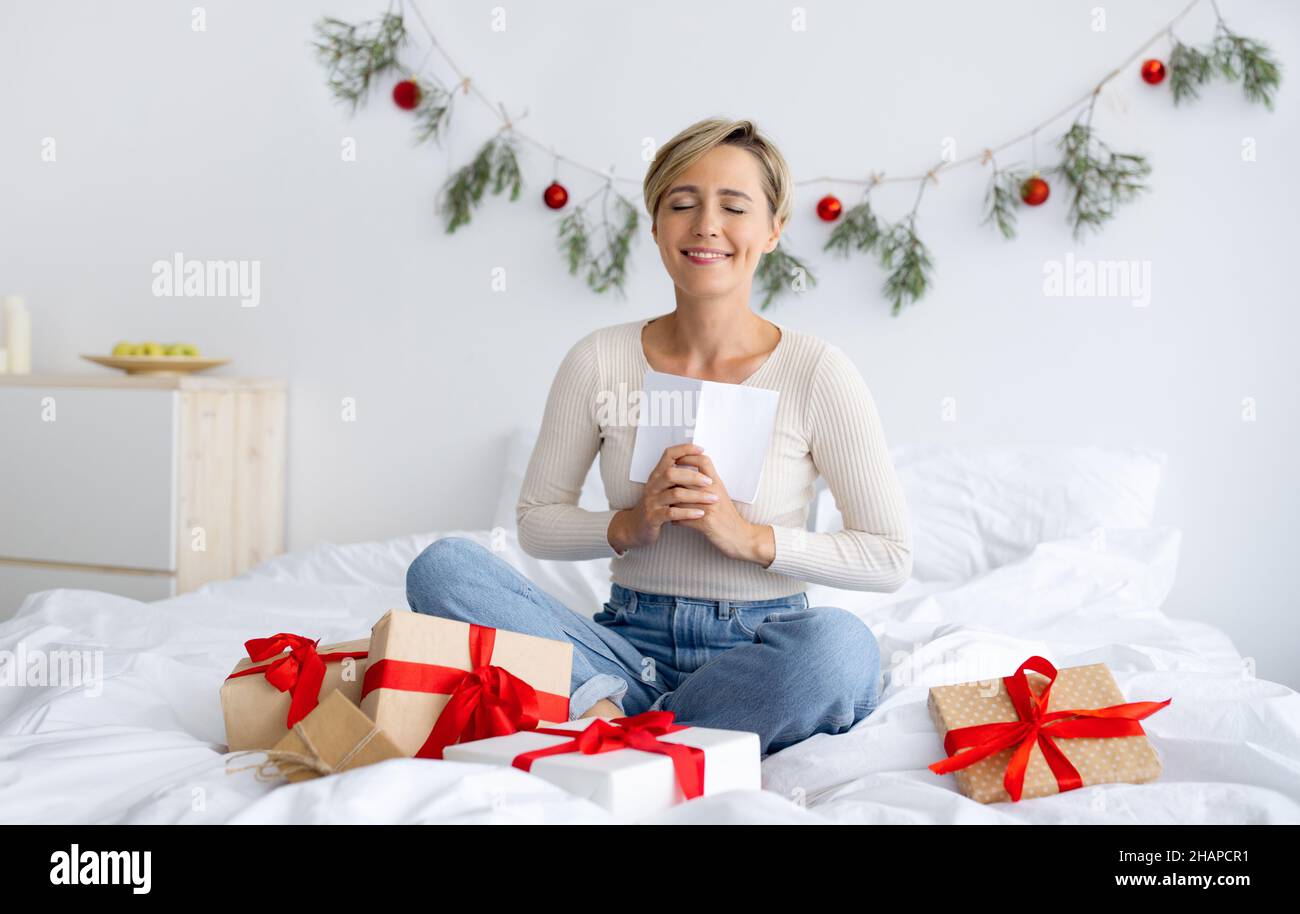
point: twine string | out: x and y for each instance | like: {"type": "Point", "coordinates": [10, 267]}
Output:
{"type": "Point", "coordinates": [282, 762]}
{"type": "Point", "coordinates": [876, 178]}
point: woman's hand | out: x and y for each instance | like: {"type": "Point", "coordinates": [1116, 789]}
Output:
{"type": "Point", "coordinates": [671, 494]}
{"type": "Point", "coordinates": [734, 537]}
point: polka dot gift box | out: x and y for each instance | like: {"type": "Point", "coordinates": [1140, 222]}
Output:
{"type": "Point", "coordinates": [1042, 731]}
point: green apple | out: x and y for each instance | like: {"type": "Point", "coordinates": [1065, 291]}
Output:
{"type": "Point", "coordinates": [186, 349]}
{"type": "Point", "coordinates": [150, 349]}
{"type": "Point", "coordinates": [125, 349]}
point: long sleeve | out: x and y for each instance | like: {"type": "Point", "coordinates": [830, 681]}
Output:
{"type": "Point", "coordinates": [848, 447]}
{"type": "Point", "coordinates": [551, 525]}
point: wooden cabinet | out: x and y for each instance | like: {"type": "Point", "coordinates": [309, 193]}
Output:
{"type": "Point", "coordinates": [145, 486]}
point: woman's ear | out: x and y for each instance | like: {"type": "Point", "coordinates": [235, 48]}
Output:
{"type": "Point", "coordinates": [775, 238]}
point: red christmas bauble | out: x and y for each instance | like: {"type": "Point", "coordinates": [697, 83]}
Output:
{"type": "Point", "coordinates": [406, 94]}
{"type": "Point", "coordinates": [1153, 71]}
{"type": "Point", "coordinates": [1034, 191]}
{"type": "Point", "coordinates": [829, 208]}
{"type": "Point", "coordinates": [555, 195]}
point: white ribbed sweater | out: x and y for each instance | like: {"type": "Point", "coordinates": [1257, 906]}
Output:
{"type": "Point", "coordinates": [826, 421]}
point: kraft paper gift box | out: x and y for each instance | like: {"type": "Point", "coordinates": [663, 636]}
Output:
{"type": "Point", "coordinates": [630, 783]}
{"type": "Point", "coordinates": [1102, 743]}
{"type": "Point", "coordinates": [258, 713]}
{"type": "Point", "coordinates": [335, 737]}
{"type": "Point", "coordinates": [419, 663]}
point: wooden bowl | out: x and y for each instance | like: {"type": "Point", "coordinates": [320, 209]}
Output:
{"type": "Point", "coordinates": [156, 364]}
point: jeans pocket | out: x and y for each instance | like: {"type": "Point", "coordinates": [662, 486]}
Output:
{"type": "Point", "coordinates": [614, 612]}
{"type": "Point", "coordinates": [748, 616]}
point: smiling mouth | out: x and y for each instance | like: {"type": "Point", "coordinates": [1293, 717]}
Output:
{"type": "Point", "coordinates": [705, 256]}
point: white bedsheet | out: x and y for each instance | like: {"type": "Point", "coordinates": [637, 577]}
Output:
{"type": "Point", "coordinates": [149, 747]}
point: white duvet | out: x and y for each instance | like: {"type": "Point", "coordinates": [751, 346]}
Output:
{"type": "Point", "coordinates": [147, 744]}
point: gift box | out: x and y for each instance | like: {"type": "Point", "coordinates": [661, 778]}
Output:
{"type": "Point", "coordinates": [632, 766]}
{"type": "Point", "coordinates": [335, 737]}
{"type": "Point", "coordinates": [1042, 731]}
{"type": "Point", "coordinates": [280, 683]}
{"type": "Point", "coordinates": [433, 682]}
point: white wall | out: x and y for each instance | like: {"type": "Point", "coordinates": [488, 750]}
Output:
{"type": "Point", "coordinates": [225, 144]}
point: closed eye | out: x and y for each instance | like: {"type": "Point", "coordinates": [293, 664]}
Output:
{"type": "Point", "coordinates": [739, 212]}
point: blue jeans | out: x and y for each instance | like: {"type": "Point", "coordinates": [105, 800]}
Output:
{"type": "Point", "coordinates": [773, 667]}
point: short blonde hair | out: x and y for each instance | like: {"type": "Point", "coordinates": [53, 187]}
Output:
{"type": "Point", "coordinates": [689, 146]}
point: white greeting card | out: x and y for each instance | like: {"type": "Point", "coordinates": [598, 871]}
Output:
{"type": "Point", "coordinates": [731, 422]}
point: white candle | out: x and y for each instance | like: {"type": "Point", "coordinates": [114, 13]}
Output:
{"type": "Point", "coordinates": [18, 335]}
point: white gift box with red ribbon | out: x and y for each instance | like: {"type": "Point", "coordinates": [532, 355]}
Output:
{"type": "Point", "coordinates": [599, 761]}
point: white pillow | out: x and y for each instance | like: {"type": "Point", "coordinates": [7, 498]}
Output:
{"type": "Point", "coordinates": [976, 508]}
{"type": "Point", "coordinates": [519, 448]}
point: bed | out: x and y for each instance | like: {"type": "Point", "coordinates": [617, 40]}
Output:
{"type": "Point", "coordinates": [1018, 552]}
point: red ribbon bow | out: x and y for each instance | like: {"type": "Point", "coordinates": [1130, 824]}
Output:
{"type": "Point", "coordinates": [301, 672]}
{"type": "Point", "coordinates": [641, 731]}
{"type": "Point", "coordinates": [1037, 725]}
{"type": "Point", "coordinates": [485, 701]}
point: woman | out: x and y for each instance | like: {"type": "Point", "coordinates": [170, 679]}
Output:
{"type": "Point", "coordinates": [707, 615]}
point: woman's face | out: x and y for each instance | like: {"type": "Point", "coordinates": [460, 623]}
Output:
{"type": "Point", "coordinates": [715, 205]}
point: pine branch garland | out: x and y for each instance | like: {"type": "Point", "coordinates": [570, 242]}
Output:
{"type": "Point", "coordinates": [608, 268]}
{"type": "Point", "coordinates": [778, 271]}
{"type": "Point", "coordinates": [1232, 56]}
{"type": "Point", "coordinates": [1251, 61]}
{"type": "Point", "coordinates": [859, 230]}
{"type": "Point", "coordinates": [897, 246]}
{"type": "Point", "coordinates": [496, 166]}
{"type": "Point", "coordinates": [911, 277]}
{"type": "Point", "coordinates": [1189, 68]}
{"type": "Point", "coordinates": [1100, 178]}
{"type": "Point", "coordinates": [354, 55]}
{"type": "Point", "coordinates": [507, 173]}
{"type": "Point", "coordinates": [433, 113]}
{"type": "Point", "coordinates": [1002, 199]}
{"type": "Point", "coordinates": [574, 236]}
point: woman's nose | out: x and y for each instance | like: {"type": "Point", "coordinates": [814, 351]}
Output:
{"type": "Point", "coordinates": [706, 220]}
{"type": "Point", "coordinates": [705, 224]}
